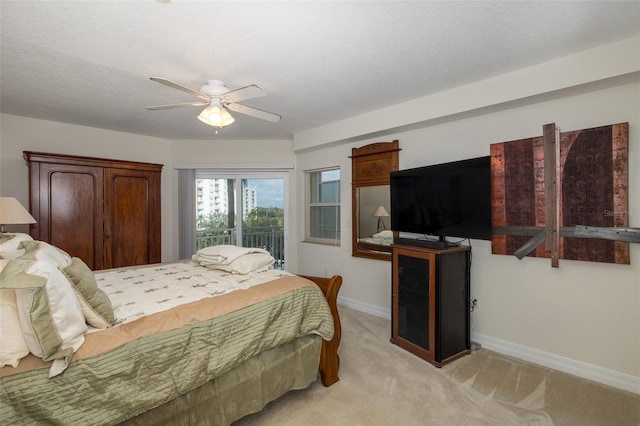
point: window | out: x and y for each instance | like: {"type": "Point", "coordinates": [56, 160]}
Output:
{"type": "Point", "coordinates": [323, 206]}
{"type": "Point", "coordinates": [243, 208]}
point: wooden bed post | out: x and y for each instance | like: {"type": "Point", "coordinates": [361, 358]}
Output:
{"type": "Point", "coordinates": [329, 358]}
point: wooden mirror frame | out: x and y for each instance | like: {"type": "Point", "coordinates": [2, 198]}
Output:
{"type": "Point", "coordinates": [371, 166]}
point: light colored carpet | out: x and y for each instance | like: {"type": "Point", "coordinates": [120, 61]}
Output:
{"type": "Point", "coordinates": [381, 384]}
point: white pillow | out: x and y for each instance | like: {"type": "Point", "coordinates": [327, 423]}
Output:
{"type": "Point", "coordinates": [9, 245]}
{"type": "Point", "coordinates": [252, 262]}
{"type": "Point", "coordinates": [50, 315]}
{"type": "Point", "coordinates": [40, 250]}
{"type": "Point", "coordinates": [12, 345]}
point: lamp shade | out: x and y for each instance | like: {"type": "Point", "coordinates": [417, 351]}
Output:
{"type": "Point", "coordinates": [216, 115]}
{"type": "Point", "coordinates": [381, 212]}
{"type": "Point", "coordinates": [13, 213]}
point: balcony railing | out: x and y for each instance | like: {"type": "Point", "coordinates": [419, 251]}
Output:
{"type": "Point", "coordinates": [270, 238]}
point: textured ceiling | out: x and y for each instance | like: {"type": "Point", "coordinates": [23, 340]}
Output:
{"type": "Point", "coordinates": [89, 62]}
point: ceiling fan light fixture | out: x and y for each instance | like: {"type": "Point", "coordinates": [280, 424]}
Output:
{"type": "Point", "coordinates": [216, 115]}
{"type": "Point", "coordinates": [226, 117]}
{"type": "Point", "coordinates": [219, 100]}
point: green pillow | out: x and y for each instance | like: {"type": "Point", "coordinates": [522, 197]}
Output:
{"type": "Point", "coordinates": [52, 322]}
{"type": "Point", "coordinates": [95, 304]}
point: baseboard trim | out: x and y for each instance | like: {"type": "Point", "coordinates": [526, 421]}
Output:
{"type": "Point", "coordinates": [587, 371]}
{"type": "Point", "coordinates": [592, 372]}
{"type": "Point", "coordinates": [364, 307]}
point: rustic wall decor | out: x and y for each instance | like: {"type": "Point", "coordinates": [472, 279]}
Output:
{"type": "Point", "coordinates": [592, 167]}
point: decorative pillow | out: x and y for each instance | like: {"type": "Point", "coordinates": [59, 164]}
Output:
{"type": "Point", "coordinates": [9, 245]}
{"type": "Point", "coordinates": [12, 345]}
{"type": "Point", "coordinates": [50, 315]}
{"type": "Point", "coordinates": [252, 262]}
{"type": "Point", "coordinates": [39, 250]}
{"type": "Point", "coordinates": [96, 305]}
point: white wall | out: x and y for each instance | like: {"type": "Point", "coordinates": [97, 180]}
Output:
{"type": "Point", "coordinates": [583, 317]}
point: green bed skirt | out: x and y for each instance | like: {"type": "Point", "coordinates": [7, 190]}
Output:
{"type": "Point", "coordinates": [244, 390]}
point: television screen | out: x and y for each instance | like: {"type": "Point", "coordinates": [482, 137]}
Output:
{"type": "Point", "coordinates": [449, 199]}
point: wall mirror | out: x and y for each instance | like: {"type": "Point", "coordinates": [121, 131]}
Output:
{"type": "Point", "coordinates": [371, 205]}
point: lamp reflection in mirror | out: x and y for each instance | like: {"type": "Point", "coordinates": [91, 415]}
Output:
{"type": "Point", "coordinates": [13, 213]}
{"type": "Point", "coordinates": [381, 212]}
{"type": "Point", "coordinates": [216, 115]}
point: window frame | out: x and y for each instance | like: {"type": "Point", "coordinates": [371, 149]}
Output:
{"type": "Point", "coordinates": [309, 205]}
{"type": "Point", "coordinates": [187, 191]}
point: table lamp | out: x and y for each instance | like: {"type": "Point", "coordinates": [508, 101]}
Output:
{"type": "Point", "coordinates": [13, 213]}
{"type": "Point", "coordinates": [380, 213]}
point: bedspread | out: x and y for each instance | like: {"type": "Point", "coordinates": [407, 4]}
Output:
{"type": "Point", "coordinates": [125, 370]}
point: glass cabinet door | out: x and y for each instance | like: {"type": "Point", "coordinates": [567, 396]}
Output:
{"type": "Point", "coordinates": [414, 299]}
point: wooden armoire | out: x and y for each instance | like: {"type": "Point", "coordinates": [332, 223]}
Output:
{"type": "Point", "coordinates": [106, 212]}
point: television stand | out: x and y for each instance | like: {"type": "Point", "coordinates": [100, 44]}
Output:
{"type": "Point", "coordinates": [431, 244]}
{"type": "Point", "coordinates": [430, 302]}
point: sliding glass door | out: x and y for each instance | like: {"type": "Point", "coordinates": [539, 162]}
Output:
{"type": "Point", "coordinates": [243, 210]}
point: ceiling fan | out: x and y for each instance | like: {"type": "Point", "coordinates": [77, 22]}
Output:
{"type": "Point", "coordinates": [218, 99]}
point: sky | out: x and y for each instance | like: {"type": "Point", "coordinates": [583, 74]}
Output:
{"type": "Point", "coordinates": [270, 192]}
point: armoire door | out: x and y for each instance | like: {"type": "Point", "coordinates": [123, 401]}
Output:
{"type": "Point", "coordinates": [67, 202]}
{"type": "Point", "coordinates": [132, 217]}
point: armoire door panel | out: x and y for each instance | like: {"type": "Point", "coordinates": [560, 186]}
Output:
{"type": "Point", "coordinates": [131, 221]}
{"type": "Point", "coordinates": [71, 211]}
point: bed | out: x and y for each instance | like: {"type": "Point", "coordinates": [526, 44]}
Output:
{"type": "Point", "coordinates": [188, 343]}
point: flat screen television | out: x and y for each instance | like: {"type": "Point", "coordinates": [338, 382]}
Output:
{"type": "Point", "coordinates": [445, 200]}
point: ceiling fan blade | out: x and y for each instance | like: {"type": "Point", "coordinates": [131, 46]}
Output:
{"type": "Point", "coordinates": [169, 106]}
{"type": "Point", "coordinates": [180, 87]}
{"type": "Point", "coordinates": [254, 112]}
{"type": "Point", "coordinates": [243, 93]}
